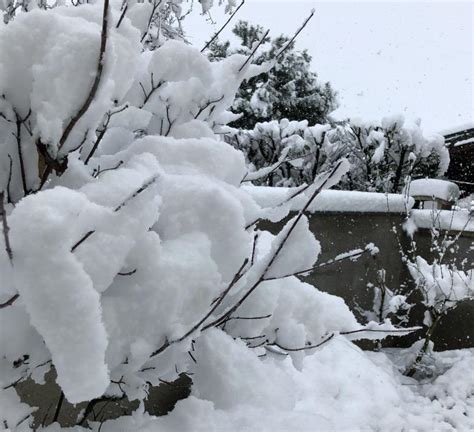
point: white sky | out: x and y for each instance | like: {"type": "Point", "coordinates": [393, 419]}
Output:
{"type": "Point", "coordinates": [383, 57]}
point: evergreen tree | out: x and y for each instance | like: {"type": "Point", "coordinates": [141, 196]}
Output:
{"type": "Point", "coordinates": [289, 90]}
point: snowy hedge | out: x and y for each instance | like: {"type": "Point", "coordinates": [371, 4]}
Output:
{"type": "Point", "coordinates": [383, 156]}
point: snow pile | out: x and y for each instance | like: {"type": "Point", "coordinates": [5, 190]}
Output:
{"type": "Point", "coordinates": [131, 237]}
{"type": "Point", "coordinates": [339, 388]}
{"type": "Point", "coordinates": [433, 188]}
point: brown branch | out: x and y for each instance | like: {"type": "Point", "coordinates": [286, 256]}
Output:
{"type": "Point", "coordinates": [124, 11]}
{"type": "Point", "coordinates": [127, 273]}
{"type": "Point", "coordinates": [102, 132]}
{"type": "Point", "coordinates": [153, 88]}
{"type": "Point", "coordinates": [278, 250]}
{"type": "Point", "coordinates": [250, 318]}
{"type": "Point", "coordinates": [119, 207]}
{"type": "Point", "coordinates": [10, 172]}
{"type": "Point", "coordinates": [356, 254]}
{"type": "Point", "coordinates": [217, 303]}
{"type": "Point", "coordinates": [145, 186]}
{"type": "Point", "coordinates": [150, 19]}
{"type": "Point", "coordinates": [207, 105]}
{"type": "Point", "coordinates": [5, 227]}
{"type": "Point", "coordinates": [96, 173]}
{"type": "Point", "coordinates": [287, 45]}
{"type": "Point", "coordinates": [307, 347]}
{"type": "Point", "coordinates": [20, 153]}
{"type": "Point", "coordinates": [216, 35]}
{"type": "Point", "coordinates": [95, 84]}
{"type": "Point", "coordinates": [10, 301]}
{"type": "Point", "coordinates": [260, 42]}
{"type": "Point", "coordinates": [58, 407]}
{"type": "Point", "coordinates": [82, 240]}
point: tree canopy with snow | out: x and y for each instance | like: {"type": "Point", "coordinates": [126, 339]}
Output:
{"type": "Point", "coordinates": [384, 156]}
{"type": "Point", "coordinates": [290, 89]}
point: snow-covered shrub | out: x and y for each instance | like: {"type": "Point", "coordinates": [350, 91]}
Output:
{"type": "Point", "coordinates": [441, 282]}
{"type": "Point", "coordinates": [294, 152]}
{"type": "Point", "coordinates": [126, 235]}
{"type": "Point", "coordinates": [387, 303]}
{"type": "Point", "coordinates": [442, 287]}
{"type": "Point", "coordinates": [383, 156]}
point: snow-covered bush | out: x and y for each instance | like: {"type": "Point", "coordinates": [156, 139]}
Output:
{"type": "Point", "coordinates": [442, 287]}
{"type": "Point", "coordinates": [295, 152]}
{"type": "Point", "coordinates": [126, 235]}
{"type": "Point", "coordinates": [383, 156]}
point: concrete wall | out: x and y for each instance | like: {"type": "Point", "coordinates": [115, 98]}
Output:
{"type": "Point", "coordinates": [340, 232]}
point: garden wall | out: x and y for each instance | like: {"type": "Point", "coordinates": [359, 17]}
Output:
{"type": "Point", "coordinates": [339, 232]}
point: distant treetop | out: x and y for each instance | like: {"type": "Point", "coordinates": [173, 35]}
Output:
{"type": "Point", "coordinates": [289, 90]}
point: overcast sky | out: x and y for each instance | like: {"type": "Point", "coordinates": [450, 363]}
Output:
{"type": "Point", "coordinates": [383, 57]}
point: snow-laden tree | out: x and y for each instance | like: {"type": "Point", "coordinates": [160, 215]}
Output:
{"type": "Point", "coordinates": [386, 155]}
{"type": "Point", "coordinates": [383, 156]}
{"type": "Point", "coordinates": [289, 90]}
{"type": "Point", "coordinates": [126, 235]}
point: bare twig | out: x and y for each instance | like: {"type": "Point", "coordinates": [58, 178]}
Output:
{"type": "Point", "coordinates": [10, 301]}
{"type": "Point", "coordinates": [82, 240]}
{"type": "Point", "coordinates": [278, 249]}
{"type": "Point", "coordinates": [257, 46]}
{"type": "Point", "coordinates": [307, 347]}
{"type": "Point", "coordinates": [145, 186]}
{"type": "Point", "coordinates": [18, 123]}
{"type": "Point", "coordinates": [354, 255]}
{"type": "Point", "coordinates": [116, 209]}
{"type": "Point", "coordinates": [150, 19]}
{"type": "Point", "coordinates": [216, 35]}
{"type": "Point", "coordinates": [127, 273]}
{"type": "Point", "coordinates": [10, 172]}
{"type": "Point", "coordinates": [5, 227]}
{"type": "Point", "coordinates": [58, 407]}
{"type": "Point", "coordinates": [288, 44]}
{"type": "Point", "coordinates": [124, 11]}
{"type": "Point", "coordinates": [102, 132]}
{"type": "Point", "coordinates": [216, 304]}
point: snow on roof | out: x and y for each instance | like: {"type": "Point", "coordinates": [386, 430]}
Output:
{"type": "Point", "coordinates": [457, 129]}
{"type": "Point", "coordinates": [464, 142]}
{"type": "Point", "coordinates": [440, 189]}
{"type": "Point", "coordinates": [333, 200]}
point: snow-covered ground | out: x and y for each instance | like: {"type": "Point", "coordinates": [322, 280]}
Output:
{"type": "Point", "coordinates": [339, 388]}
